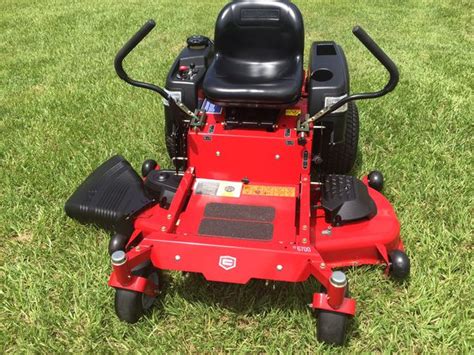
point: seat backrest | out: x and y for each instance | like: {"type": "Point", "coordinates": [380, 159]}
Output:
{"type": "Point", "coordinates": [260, 31]}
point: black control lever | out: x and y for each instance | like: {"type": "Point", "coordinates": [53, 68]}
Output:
{"type": "Point", "coordinates": [383, 58]}
{"type": "Point", "coordinates": [126, 49]}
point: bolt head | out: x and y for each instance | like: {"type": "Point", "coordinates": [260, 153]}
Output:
{"type": "Point", "coordinates": [163, 229]}
{"type": "Point", "coordinates": [322, 266]}
{"type": "Point", "coordinates": [279, 267]}
{"type": "Point", "coordinates": [277, 157]}
{"type": "Point", "coordinates": [218, 154]}
{"type": "Point", "coordinates": [305, 240]}
{"type": "Point", "coordinates": [169, 216]}
{"type": "Point", "coordinates": [177, 257]}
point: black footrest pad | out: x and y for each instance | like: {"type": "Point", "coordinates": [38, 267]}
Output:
{"type": "Point", "coordinates": [109, 197]}
{"type": "Point", "coordinates": [236, 229]}
{"type": "Point", "coordinates": [346, 199]}
{"type": "Point", "coordinates": [234, 211]}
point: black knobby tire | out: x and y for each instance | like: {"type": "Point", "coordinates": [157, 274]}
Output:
{"type": "Point", "coordinates": [131, 305]}
{"type": "Point", "coordinates": [170, 140]}
{"type": "Point", "coordinates": [340, 158]}
{"type": "Point", "coordinates": [174, 142]}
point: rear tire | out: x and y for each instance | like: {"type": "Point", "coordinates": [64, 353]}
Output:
{"type": "Point", "coordinates": [340, 158]}
{"type": "Point", "coordinates": [169, 139]}
{"type": "Point", "coordinates": [171, 142]}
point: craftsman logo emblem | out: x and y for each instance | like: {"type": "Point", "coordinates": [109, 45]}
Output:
{"type": "Point", "coordinates": [227, 262]}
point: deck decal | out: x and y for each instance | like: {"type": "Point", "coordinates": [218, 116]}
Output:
{"type": "Point", "coordinates": [265, 190]}
{"type": "Point", "coordinates": [293, 112]}
{"type": "Point", "coordinates": [217, 188]}
{"type": "Point", "coordinates": [211, 108]}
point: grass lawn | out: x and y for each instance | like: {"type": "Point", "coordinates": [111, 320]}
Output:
{"type": "Point", "coordinates": [63, 111]}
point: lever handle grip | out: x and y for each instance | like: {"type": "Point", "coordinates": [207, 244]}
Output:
{"type": "Point", "coordinates": [129, 46]}
{"type": "Point", "coordinates": [381, 56]}
{"type": "Point", "coordinates": [126, 49]}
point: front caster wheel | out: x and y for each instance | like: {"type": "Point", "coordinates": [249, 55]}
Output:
{"type": "Point", "coordinates": [331, 327]}
{"type": "Point", "coordinates": [131, 305]}
{"type": "Point", "coordinates": [147, 166]}
{"type": "Point", "coordinates": [118, 242]}
{"type": "Point", "coordinates": [375, 179]}
{"type": "Point", "coordinates": [399, 264]}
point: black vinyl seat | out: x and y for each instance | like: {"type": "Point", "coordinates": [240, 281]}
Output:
{"type": "Point", "coordinates": [259, 48]}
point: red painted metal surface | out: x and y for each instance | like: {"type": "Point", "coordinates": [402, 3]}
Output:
{"type": "Point", "coordinates": [321, 302]}
{"type": "Point", "coordinates": [303, 244]}
{"type": "Point", "coordinates": [335, 295]}
{"type": "Point", "coordinates": [257, 154]}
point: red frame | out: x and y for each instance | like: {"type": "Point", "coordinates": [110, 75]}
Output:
{"type": "Point", "coordinates": [303, 244]}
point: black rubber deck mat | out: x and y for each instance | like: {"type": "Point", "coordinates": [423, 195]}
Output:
{"type": "Point", "coordinates": [236, 229]}
{"type": "Point", "coordinates": [245, 212]}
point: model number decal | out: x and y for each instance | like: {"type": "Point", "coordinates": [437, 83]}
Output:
{"type": "Point", "coordinates": [302, 249]}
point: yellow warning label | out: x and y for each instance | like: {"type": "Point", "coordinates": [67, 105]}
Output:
{"type": "Point", "coordinates": [293, 112]}
{"type": "Point", "coordinates": [262, 190]}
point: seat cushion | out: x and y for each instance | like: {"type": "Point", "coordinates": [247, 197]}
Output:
{"type": "Point", "coordinates": [230, 81]}
{"type": "Point", "coordinates": [259, 48]}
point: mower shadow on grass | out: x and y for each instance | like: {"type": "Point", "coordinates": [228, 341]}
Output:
{"type": "Point", "coordinates": [253, 299]}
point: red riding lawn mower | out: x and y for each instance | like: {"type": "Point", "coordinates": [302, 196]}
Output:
{"type": "Point", "coordinates": [260, 148]}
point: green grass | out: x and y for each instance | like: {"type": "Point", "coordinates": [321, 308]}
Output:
{"type": "Point", "coordinates": [63, 112]}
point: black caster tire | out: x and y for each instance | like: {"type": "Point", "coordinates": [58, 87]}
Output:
{"type": "Point", "coordinates": [399, 264]}
{"type": "Point", "coordinates": [147, 166]}
{"type": "Point", "coordinates": [331, 327]}
{"type": "Point", "coordinates": [118, 242]}
{"type": "Point", "coordinates": [131, 305]}
{"type": "Point", "coordinates": [375, 180]}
